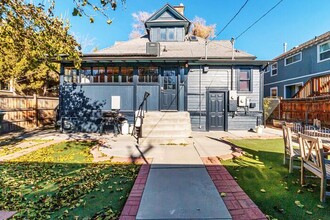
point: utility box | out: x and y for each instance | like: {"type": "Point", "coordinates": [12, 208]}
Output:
{"type": "Point", "coordinates": [232, 100]}
{"type": "Point", "coordinates": [115, 102]}
{"type": "Point", "coordinates": [241, 101]}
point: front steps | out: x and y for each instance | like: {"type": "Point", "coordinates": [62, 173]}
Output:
{"type": "Point", "coordinates": [166, 128]}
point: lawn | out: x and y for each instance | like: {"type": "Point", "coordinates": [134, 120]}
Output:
{"type": "Point", "coordinates": [61, 182]}
{"type": "Point", "coordinates": [10, 146]}
{"type": "Point", "coordinates": [267, 181]}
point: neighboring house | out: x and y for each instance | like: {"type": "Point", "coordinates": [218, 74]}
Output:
{"type": "Point", "coordinates": [291, 70]}
{"type": "Point", "coordinates": [5, 88]}
{"type": "Point", "coordinates": [219, 87]}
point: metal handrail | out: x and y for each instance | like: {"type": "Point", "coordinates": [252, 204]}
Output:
{"type": "Point", "coordinates": [140, 115]}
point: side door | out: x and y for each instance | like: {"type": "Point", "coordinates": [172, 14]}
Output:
{"type": "Point", "coordinates": [216, 111]}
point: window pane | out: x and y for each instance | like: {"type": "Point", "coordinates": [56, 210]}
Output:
{"type": "Point", "coordinates": [4, 86]}
{"type": "Point", "coordinates": [274, 92]}
{"type": "Point", "coordinates": [112, 74]}
{"type": "Point", "coordinates": [170, 32]}
{"type": "Point", "coordinates": [127, 74]}
{"type": "Point", "coordinates": [244, 85]}
{"type": "Point", "coordinates": [148, 74]}
{"type": "Point", "coordinates": [101, 74]}
{"type": "Point", "coordinates": [85, 74]}
{"type": "Point", "coordinates": [70, 75]}
{"type": "Point", "coordinates": [244, 75]}
{"type": "Point", "coordinates": [324, 47]}
{"type": "Point", "coordinates": [325, 55]}
{"type": "Point", "coordinates": [163, 34]}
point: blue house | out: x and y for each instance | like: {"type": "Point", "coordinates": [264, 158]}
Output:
{"type": "Point", "coordinates": [218, 86]}
{"type": "Point", "coordinates": [290, 71]}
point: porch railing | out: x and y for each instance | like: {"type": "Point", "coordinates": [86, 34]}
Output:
{"type": "Point", "coordinates": [315, 86]}
{"type": "Point", "coordinates": [138, 117]}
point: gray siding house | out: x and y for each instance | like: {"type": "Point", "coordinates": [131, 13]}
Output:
{"type": "Point", "coordinates": [218, 85]}
{"type": "Point", "coordinates": [291, 70]}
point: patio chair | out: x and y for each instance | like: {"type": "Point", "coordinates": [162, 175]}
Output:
{"type": "Point", "coordinates": [290, 153]}
{"type": "Point", "coordinates": [314, 160]}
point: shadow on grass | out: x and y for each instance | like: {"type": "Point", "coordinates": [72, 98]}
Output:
{"type": "Point", "coordinates": [266, 180]}
{"type": "Point", "coordinates": [65, 190]}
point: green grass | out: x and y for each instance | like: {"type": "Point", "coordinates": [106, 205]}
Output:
{"type": "Point", "coordinates": [61, 182]}
{"type": "Point", "coordinates": [263, 169]}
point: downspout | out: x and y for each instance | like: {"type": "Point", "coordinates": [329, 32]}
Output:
{"type": "Point", "coordinates": [232, 41]}
{"type": "Point", "coordinates": [200, 96]}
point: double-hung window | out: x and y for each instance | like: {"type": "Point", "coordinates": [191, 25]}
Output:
{"type": "Point", "coordinates": [273, 92]}
{"type": "Point", "coordinates": [244, 80]}
{"type": "Point", "coordinates": [274, 69]}
{"type": "Point", "coordinates": [323, 51]}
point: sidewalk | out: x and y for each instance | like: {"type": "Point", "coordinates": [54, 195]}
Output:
{"type": "Point", "coordinates": [182, 183]}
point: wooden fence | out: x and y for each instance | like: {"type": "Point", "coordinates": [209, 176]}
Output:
{"type": "Point", "coordinates": [26, 112]}
{"type": "Point", "coordinates": [303, 110]}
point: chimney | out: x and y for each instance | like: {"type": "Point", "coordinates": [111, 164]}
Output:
{"type": "Point", "coordinates": [284, 47]}
{"type": "Point", "coordinates": [179, 8]}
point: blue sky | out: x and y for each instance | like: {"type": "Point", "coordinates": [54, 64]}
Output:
{"type": "Point", "coordinates": [293, 22]}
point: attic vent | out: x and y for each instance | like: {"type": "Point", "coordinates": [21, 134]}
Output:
{"type": "Point", "coordinates": [153, 48]}
{"type": "Point", "coordinates": [193, 38]}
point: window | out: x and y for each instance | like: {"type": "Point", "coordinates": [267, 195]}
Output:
{"type": "Point", "coordinates": [86, 75]}
{"type": "Point", "coordinates": [167, 34]}
{"type": "Point", "coordinates": [273, 92]}
{"type": "Point", "coordinates": [70, 75]}
{"type": "Point", "coordinates": [112, 74]}
{"type": "Point", "coordinates": [293, 59]}
{"type": "Point", "coordinates": [4, 85]}
{"type": "Point", "coordinates": [274, 69]}
{"type": "Point", "coordinates": [244, 80]}
{"type": "Point", "coordinates": [127, 74]}
{"type": "Point", "coordinates": [323, 51]}
{"type": "Point", "coordinates": [98, 74]}
{"type": "Point", "coordinates": [148, 74]}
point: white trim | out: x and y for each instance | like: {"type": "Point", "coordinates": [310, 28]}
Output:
{"type": "Point", "coordinates": [271, 69]}
{"type": "Point", "coordinates": [299, 77]}
{"type": "Point", "coordinates": [318, 52]}
{"type": "Point", "coordinates": [294, 61]}
{"type": "Point", "coordinates": [292, 84]}
{"type": "Point", "coordinates": [270, 91]}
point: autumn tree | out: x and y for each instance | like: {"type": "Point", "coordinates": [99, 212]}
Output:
{"type": "Point", "coordinates": [31, 39]}
{"type": "Point", "coordinates": [138, 28]}
{"type": "Point", "coordinates": [200, 29]}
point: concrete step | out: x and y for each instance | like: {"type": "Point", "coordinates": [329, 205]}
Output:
{"type": "Point", "coordinates": [167, 114]}
{"type": "Point", "coordinates": [165, 141]}
{"type": "Point", "coordinates": [166, 120]}
{"type": "Point", "coordinates": [166, 127]}
{"type": "Point", "coordinates": [167, 134]}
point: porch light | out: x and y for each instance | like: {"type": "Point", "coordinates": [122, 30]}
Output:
{"type": "Point", "coordinates": [205, 69]}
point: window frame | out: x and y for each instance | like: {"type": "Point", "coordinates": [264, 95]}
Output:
{"type": "Point", "coordinates": [271, 93]}
{"type": "Point", "coordinates": [272, 68]}
{"type": "Point", "coordinates": [250, 80]}
{"type": "Point", "coordinates": [147, 77]}
{"type": "Point", "coordinates": [285, 60]}
{"type": "Point", "coordinates": [319, 51]}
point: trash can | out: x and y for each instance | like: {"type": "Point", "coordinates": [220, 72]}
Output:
{"type": "Point", "coordinates": [2, 113]}
{"type": "Point", "coordinates": [124, 127]}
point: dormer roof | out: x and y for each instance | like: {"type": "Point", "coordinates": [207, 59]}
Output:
{"type": "Point", "coordinates": [167, 16]}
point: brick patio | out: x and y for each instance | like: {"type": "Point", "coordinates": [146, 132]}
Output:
{"type": "Point", "coordinates": [240, 206]}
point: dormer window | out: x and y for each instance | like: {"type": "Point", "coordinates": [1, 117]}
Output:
{"type": "Point", "coordinates": [167, 34]}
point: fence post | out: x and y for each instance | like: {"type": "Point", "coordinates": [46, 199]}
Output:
{"type": "Point", "coordinates": [35, 100]}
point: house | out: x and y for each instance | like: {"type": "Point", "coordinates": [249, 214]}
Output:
{"type": "Point", "coordinates": [218, 86]}
{"type": "Point", "coordinates": [292, 69]}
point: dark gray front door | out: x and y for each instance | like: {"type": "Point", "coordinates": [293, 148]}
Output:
{"type": "Point", "coordinates": [216, 111]}
{"type": "Point", "coordinates": [168, 95]}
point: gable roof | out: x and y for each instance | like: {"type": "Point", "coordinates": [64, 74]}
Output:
{"type": "Point", "coordinates": [218, 49]}
{"type": "Point", "coordinates": [316, 40]}
{"type": "Point", "coordinates": [173, 17]}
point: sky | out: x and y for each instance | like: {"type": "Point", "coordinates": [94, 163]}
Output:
{"type": "Point", "coordinates": [292, 21]}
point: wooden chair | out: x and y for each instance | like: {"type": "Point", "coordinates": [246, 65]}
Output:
{"type": "Point", "coordinates": [290, 153]}
{"type": "Point", "coordinates": [314, 160]}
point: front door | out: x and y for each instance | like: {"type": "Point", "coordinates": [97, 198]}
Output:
{"type": "Point", "coordinates": [168, 94]}
{"type": "Point", "coordinates": [216, 111]}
